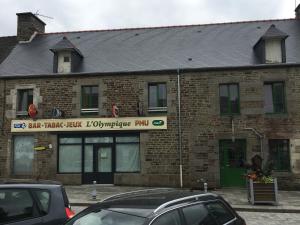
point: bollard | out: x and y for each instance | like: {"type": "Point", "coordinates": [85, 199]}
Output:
{"type": "Point", "coordinates": [94, 192]}
{"type": "Point", "coordinates": [205, 187]}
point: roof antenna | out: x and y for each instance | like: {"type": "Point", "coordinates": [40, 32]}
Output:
{"type": "Point", "coordinates": [37, 14]}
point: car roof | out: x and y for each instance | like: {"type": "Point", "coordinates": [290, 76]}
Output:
{"type": "Point", "coordinates": [17, 183]}
{"type": "Point", "coordinates": [146, 202]}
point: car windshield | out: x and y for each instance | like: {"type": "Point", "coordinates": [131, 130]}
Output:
{"type": "Point", "coordinates": [106, 217]}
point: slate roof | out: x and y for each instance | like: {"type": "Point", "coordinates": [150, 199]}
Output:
{"type": "Point", "coordinates": [6, 45]}
{"type": "Point", "coordinates": [154, 49]}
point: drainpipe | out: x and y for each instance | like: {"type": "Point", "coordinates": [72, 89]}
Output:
{"type": "Point", "coordinates": [261, 137]}
{"type": "Point", "coordinates": [179, 128]}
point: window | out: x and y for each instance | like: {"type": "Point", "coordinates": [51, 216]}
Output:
{"type": "Point", "coordinates": [64, 62]}
{"type": "Point", "coordinates": [280, 154]}
{"type": "Point", "coordinates": [127, 154]}
{"type": "Point", "coordinates": [274, 99]}
{"type": "Point", "coordinates": [66, 59]}
{"type": "Point", "coordinates": [107, 217]}
{"type": "Point", "coordinates": [273, 51]}
{"type": "Point", "coordinates": [89, 100]}
{"type": "Point", "coordinates": [44, 199]}
{"type": "Point", "coordinates": [220, 212]}
{"type": "Point", "coordinates": [170, 218]}
{"type": "Point", "coordinates": [23, 155]}
{"type": "Point", "coordinates": [15, 205]}
{"type": "Point", "coordinates": [229, 99]}
{"type": "Point", "coordinates": [24, 99]}
{"type": "Point", "coordinates": [197, 215]}
{"type": "Point", "coordinates": [157, 97]}
{"type": "Point", "coordinates": [69, 155]}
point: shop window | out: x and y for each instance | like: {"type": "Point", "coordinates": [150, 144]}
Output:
{"type": "Point", "coordinates": [127, 154]}
{"type": "Point", "coordinates": [157, 97]}
{"type": "Point", "coordinates": [89, 100]}
{"type": "Point", "coordinates": [279, 154]}
{"type": "Point", "coordinates": [23, 155]}
{"type": "Point", "coordinates": [69, 155]}
{"type": "Point", "coordinates": [274, 97]}
{"type": "Point", "coordinates": [229, 99]}
{"type": "Point", "coordinates": [24, 99]}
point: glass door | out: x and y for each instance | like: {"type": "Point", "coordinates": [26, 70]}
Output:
{"type": "Point", "coordinates": [98, 164]}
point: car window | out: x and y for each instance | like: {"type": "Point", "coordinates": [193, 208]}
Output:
{"type": "Point", "coordinates": [106, 217]}
{"type": "Point", "coordinates": [220, 212]}
{"type": "Point", "coordinates": [170, 218]}
{"type": "Point", "coordinates": [197, 215]}
{"type": "Point", "coordinates": [15, 205]}
{"type": "Point", "coordinates": [44, 198]}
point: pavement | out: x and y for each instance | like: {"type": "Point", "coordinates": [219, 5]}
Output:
{"type": "Point", "coordinates": [289, 201]}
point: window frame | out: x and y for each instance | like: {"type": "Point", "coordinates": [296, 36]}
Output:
{"type": "Point", "coordinates": [23, 112]}
{"type": "Point", "coordinates": [276, 143]}
{"type": "Point", "coordinates": [89, 110]}
{"type": "Point", "coordinates": [229, 105]}
{"type": "Point", "coordinates": [157, 108]}
{"type": "Point", "coordinates": [284, 109]}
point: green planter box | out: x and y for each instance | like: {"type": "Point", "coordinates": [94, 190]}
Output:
{"type": "Point", "coordinates": [262, 193]}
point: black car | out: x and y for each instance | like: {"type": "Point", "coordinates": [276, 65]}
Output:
{"type": "Point", "coordinates": [33, 203]}
{"type": "Point", "coordinates": [159, 207]}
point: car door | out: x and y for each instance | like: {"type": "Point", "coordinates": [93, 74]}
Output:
{"type": "Point", "coordinates": [221, 213]}
{"type": "Point", "coordinates": [17, 207]}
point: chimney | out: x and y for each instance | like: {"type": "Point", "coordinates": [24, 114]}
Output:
{"type": "Point", "coordinates": [297, 12]}
{"type": "Point", "coordinates": [28, 24]}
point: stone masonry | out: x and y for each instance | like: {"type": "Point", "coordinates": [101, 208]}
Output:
{"type": "Point", "coordinates": [202, 124]}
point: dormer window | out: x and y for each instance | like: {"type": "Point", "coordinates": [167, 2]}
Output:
{"type": "Point", "coordinates": [273, 51]}
{"type": "Point", "coordinates": [67, 58]}
{"type": "Point", "coordinates": [270, 48]}
{"type": "Point", "coordinates": [64, 62]}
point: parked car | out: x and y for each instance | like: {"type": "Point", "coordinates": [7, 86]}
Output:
{"type": "Point", "coordinates": [159, 207]}
{"type": "Point", "coordinates": [33, 203]}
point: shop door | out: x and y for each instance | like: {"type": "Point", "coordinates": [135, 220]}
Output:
{"type": "Point", "coordinates": [98, 164]}
{"type": "Point", "coordinates": [232, 157]}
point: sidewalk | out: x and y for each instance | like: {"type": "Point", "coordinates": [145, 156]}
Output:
{"type": "Point", "coordinates": [289, 201]}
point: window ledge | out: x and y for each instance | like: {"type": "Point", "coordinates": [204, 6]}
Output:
{"type": "Point", "coordinates": [158, 109]}
{"type": "Point", "coordinates": [91, 110]}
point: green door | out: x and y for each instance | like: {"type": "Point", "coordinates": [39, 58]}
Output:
{"type": "Point", "coordinates": [232, 156]}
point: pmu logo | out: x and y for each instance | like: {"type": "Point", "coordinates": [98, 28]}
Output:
{"type": "Point", "coordinates": [20, 125]}
{"type": "Point", "coordinates": [158, 122]}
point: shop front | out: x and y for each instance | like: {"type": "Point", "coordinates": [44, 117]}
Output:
{"type": "Point", "coordinates": [95, 148]}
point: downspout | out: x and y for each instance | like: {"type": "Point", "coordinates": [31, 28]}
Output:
{"type": "Point", "coordinates": [261, 137]}
{"type": "Point", "coordinates": [179, 128]}
{"type": "Point", "coordinates": [3, 109]}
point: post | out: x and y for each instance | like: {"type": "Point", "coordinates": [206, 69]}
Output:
{"type": "Point", "coordinates": [94, 192]}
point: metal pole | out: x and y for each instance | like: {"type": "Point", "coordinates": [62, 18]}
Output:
{"type": "Point", "coordinates": [179, 129]}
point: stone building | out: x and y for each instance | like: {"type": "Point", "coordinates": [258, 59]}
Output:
{"type": "Point", "coordinates": [165, 106]}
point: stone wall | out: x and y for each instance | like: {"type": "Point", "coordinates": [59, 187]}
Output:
{"type": "Point", "coordinates": [202, 124]}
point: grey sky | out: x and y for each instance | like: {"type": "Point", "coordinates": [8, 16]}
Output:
{"type": "Point", "coordinates": [73, 15]}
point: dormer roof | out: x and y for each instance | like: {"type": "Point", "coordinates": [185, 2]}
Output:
{"type": "Point", "coordinates": [274, 32]}
{"type": "Point", "coordinates": [65, 45]}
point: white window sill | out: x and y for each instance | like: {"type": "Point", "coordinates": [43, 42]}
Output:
{"type": "Point", "coordinates": [158, 109]}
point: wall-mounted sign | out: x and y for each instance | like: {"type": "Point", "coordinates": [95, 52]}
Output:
{"type": "Point", "coordinates": [90, 124]}
{"type": "Point", "coordinates": [32, 111]}
{"type": "Point", "coordinates": [39, 148]}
